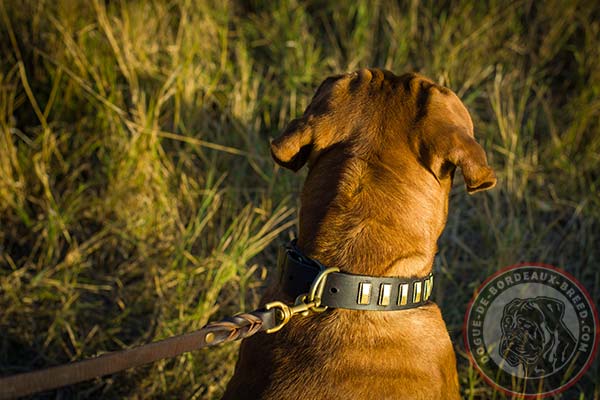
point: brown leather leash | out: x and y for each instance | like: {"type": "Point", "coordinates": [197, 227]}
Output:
{"type": "Point", "coordinates": [315, 287]}
{"type": "Point", "coordinates": [233, 328]}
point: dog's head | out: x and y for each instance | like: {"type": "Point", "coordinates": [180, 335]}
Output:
{"type": "Point", "coordinates": [532, 332]}
{"type": "Point", "coordinates": [381, 150]}
{"type": "Point", "coordinates": [380, 115]}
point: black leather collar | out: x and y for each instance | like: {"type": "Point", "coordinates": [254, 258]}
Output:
{"type": "Point", "coordinates": [354, 292]}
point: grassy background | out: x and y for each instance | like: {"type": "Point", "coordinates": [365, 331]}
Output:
{"type": "Point", "coordinates": [138, 199]}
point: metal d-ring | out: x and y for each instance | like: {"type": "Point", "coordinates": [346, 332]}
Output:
{"type": "Point", "coordinates": [316, 289]}
{"type": "Point", "coordinates": [304, 304]}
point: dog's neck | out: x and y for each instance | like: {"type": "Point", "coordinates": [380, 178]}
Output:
{"type": "Point", "coordinates": [375, 219]}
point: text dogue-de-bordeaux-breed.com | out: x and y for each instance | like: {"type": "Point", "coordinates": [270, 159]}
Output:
{"type": "Point", "coordinates": [381, 150]}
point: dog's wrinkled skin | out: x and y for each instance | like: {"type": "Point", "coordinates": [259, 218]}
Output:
{"type": "Point", "coordinates": [381, 151]}
{"type": "Point", "coordinates": [535, 336]}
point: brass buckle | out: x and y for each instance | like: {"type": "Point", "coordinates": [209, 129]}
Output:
{"type": "Point", "coordinates": [304, 304]}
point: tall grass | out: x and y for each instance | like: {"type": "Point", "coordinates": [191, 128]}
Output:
{"type": "Point", "coordinates": [138, 199]}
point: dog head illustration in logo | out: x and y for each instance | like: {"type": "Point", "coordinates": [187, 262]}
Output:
{"type": "Point", "coordinates": [535, 336]}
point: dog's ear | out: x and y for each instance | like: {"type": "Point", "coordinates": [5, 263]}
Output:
{"type": "Point", "coordinates": [451, 147]}
{"type": "Point", "coordinates": [303, 135]}
{"type": "Point", "coordinates": [292, 149]}
{"type": "Point", "coordinates": [552, 309]}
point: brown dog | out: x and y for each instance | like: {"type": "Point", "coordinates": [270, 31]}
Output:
{"type": "Point", "coordinates": [381, 151]}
